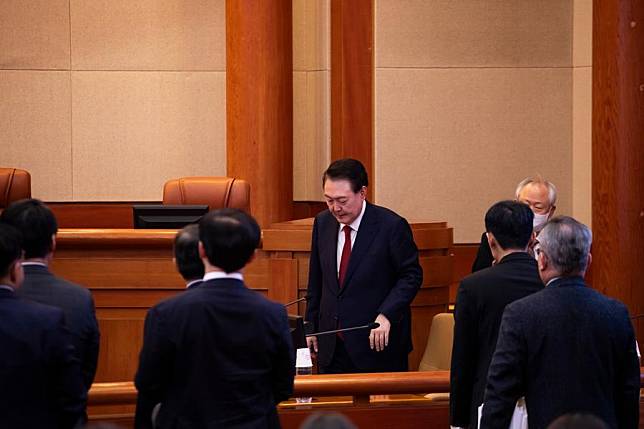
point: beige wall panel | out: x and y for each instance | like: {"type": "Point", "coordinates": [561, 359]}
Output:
{"type": "Point", "coordinates": [34, 34]}
{"type": "Point", "coordinates": [311, 34]}
{"type": "Point", "coordinates": [35, 121]}
{"type": "Point", "coordinates": [311, 133]}
{"type": "Point", "coordinates": [437, 33]}
{"type": "Point", "coordinates": [582, 36]}
{"type": "Point", "coordinates": [582, 144]}
{"type": "Point", "coordinates": [132, 131]}
{"type": "Point", "coordinates": [148, 35]}
{"type": "Point", "coordinates": [449, 143]}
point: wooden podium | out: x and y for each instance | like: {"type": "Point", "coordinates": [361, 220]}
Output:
{"type": "Point", "coordinates": [128, 271]}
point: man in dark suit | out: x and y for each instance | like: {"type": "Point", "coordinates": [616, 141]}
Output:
{"type": "Point", "coordinates": [40, 379]}
{"type": "Point", "coordinates": [219, 355]}
{"type": "Point", "coordinates": [38, 227]}
{"type": "Point", "coordinates": [541, 196]}
{"type": "Point", "coordinates": [480, 302]}
{"type": "Point", "coordinates": [568, 348]}
{"type": "Point", "coordinates": [363, 268]}
{"type": "Point", "coordinates": [186, 255]}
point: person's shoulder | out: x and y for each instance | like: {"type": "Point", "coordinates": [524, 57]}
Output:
{"type": "Point", "coordinates": [35, 311]}
{"type": "Point", "coordinates": [69, 288]}
{"type": "Point", "coordinates": [384, 213]}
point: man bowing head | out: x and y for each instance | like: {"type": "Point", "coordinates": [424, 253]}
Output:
{"type": "Point", "coordinates": [363, 268]}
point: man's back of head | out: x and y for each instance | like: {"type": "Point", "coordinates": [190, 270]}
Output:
{"type": "Point", "coordinates": [186, 253]}
{"type": "Point", "coordinates": [564, 248]}
{"type": "Point", "coordinates": [510, 223]}
{"type": "Point", "coordinates": [37, 224]}
{"type": "Point", "coordinates": [228, 238]}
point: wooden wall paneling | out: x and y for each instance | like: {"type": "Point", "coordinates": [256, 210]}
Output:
{"type": "Point", "coordinates": [352, 78]}
{"type": "Point", "coordinates": [259, 104]}
{"type": "Point", "coordinates": [617, 155]}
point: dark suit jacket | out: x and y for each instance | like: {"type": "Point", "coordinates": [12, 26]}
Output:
{"type": "Point", "coordinates": [484, 256]}
{"type": "Point", "coordinates": [216, 356]}
{"type": "Point", "coordinates": [383, 277]}
{"type": "Point", "coordinates": [567, 349]}
{"type": "Point", "coordinates": [42, 286]}
{"type": "Point", "coordinates": [480, 302]}
{"type": "Point", "coordinates": [40, 379]}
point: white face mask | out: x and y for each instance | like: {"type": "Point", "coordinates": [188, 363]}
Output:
{"type": "Point", "coordinates": [539, 221]}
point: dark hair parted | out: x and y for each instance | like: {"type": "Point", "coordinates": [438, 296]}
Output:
{"type": "Point", "coordinates": [37, 224]}
{"type": "Point", "coordinates": [186, 253]}
{"type": "Point", "coordinates": [511, 224]}
{"type": "Point", "coordinates": [10, 248]}
{"type": "Point", "coordinates": [347, 169]}
{"type": "Point", "coordinates": [229, 238]}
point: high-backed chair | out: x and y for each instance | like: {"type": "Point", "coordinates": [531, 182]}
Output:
{"type": "Point", "coordinates": [438, 352]}
{"type": "Point", "coordinates": [216, 192]}
{"type": "Point", "coordinates": [15, 184]}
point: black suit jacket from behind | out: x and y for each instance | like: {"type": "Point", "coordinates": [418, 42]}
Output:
{"type": "Point", "coordinates": [216, 356]}
{"type": "Point", "coordinates": [383, 276]}
{"type": "Point", "coordinates": [42, 286]}
{"type": "Point", "coordinates": [480, 302]}
{"type": "Point", "coordinates": [566, 349]}
{"type": "Point", "coordinates": [40, 378]}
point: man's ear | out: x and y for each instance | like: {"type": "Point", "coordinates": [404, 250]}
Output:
{"type": "Point", "coordinates": [53, 243]}
{"type": "Point", "coordinates": [552, 211]}
{"type": "Point", "coordinates": [202, 251]}
{"type": "Point", "coordinates": [363, 192]}
{"type": "Point", "coordinates": [491, 240]}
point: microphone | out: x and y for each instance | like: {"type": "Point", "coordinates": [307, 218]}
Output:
{"type": "Point", "coordinates": [372, 325]}
{"type": "Point", "coordinates": [304, 298]}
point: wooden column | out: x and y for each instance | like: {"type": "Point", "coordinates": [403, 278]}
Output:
{"type": "Point", "coordinates": [352, 72]}
{"type": "Point", "coordinates": [618, 153]}
{"type": "Point", "coordinates": [259, 103]}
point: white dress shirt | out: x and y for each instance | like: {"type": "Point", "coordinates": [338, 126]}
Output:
{"type": "Point", "coordinates": [354, 232]}
{"type": "Point", "coordinates": [213, 275]}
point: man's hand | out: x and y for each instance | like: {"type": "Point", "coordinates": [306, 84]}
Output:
{"type": "Point", "coordinates": [379, 337]}
{"type": "Point", "coordinates": [312, 344]}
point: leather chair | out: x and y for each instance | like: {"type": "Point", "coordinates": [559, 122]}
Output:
{"type": "Point", "coordinates": [15, 184]}
{"type": "Point", "coordinates": [438, 352]}
{"type": "Point", "coordinates": [216, 192]}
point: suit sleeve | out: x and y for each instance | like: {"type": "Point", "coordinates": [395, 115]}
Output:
{"type": "Point", "coordinates": [315, 281]}
{"type": "Point", "coordinates": [92, 342]}
{"type": "Point", "coordinates": [409, 274]}
{"type": "Point", "coordinates": [505, 381]}
{"type": "Point", "coordinates": [464, 356]}
{"type": "Point", "coordinates": [155, 362]}
{"type": "Point", "coordinates": [627, 396]}
{"type": "Point", "coordinates": [284, 361]}
{"type": "Point", "coordinates": [67, 382]}
{"type": "Point", "coordinates": [484, 256]}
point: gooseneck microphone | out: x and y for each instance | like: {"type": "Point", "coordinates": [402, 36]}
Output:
{"type": "Point", "coordinates": [372, 325]}
{"type": "Point", "coordinates": [304, 298]}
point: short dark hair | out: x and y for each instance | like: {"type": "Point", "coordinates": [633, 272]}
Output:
{"type": "Point", "coordinates": [10, 248]}
{"type": "Point", "coordinates": [229, 238]}
{"type": "Point", "coordinates": [578, 421]}
{"type": "Point", "coordinates": [186, 253]}
{"type": "Point", "coordinates": [37, 224]}
{"type": "Point", "coordinates": [511, 224]}
{"type": "Point", "coordinates": [347, 169]}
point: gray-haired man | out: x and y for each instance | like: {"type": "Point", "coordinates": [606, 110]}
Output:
{"type": "Point", "coordinates": [567, 348]}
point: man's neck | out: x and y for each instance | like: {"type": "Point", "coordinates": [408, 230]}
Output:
{"type": "Point", "coordinates": [502, 253]}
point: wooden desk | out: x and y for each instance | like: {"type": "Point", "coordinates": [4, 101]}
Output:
{"type": "Point", "coordinates": [128, 271]}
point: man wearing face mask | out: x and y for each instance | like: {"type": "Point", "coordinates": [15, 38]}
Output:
{"type": "Point", "coordinates": [541, 196]}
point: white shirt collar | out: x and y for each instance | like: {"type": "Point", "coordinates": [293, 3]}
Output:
{"type": "Point", "coordinates": [552, 280]}
{"type": "Point", "coordinates": [38, 264]}
{"type": "Point", "coordinates": [192, 282]}
{"type": "Point", "coordinates": [221, 275]}
{"type": "Point", "coordinates": [356, 222]}
{"type": "Point", "coordinates": [7, 287]}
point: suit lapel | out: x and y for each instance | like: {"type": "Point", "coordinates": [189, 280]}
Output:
{"type": "Point", "coordinates": [367, 231]}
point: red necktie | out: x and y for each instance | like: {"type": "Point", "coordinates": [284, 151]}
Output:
{"type": "Point", "coordinates": [346, 254]}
